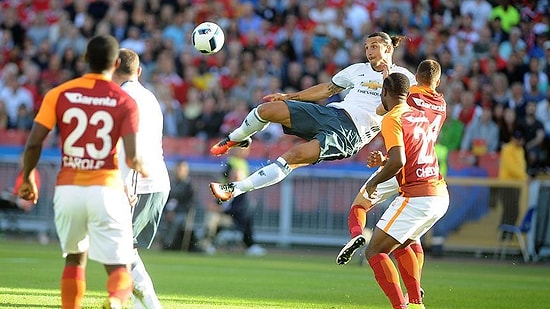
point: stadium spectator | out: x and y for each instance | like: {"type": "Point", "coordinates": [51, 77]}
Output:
{"type": "Point", "coordinates": [481, 135]}
{"type": "Point", "coordinates": [11, 24]}
{"type": "Point", "coordinates": [517, 99]}
{"type": "Point", "coordinates": [501, 93]}
{"type": "Point", "coordinates": [70, 38]}
{"type": "Point", "coordinates": [533, 133]}
{"type": "Point", "coordinates": [512, 166]}
{"type": "Point", "coordinates": [451, 132]}
{"type": "Point", "coordinates": [175, 124]}
{"type": "Point", "coordinates": [480, 10]}
{"type": "Point", "coordinates": [207, 124]}
{"type": "Point", "coordinates": [543, 114]}
{"type": "Point", "coordinates": [507, 124]}
{"type": "Point", "coordinates": [3, 116]}
{"type": "Point", "coordinates": [14, 95]}
{"type": "Point", "coordinates": [539, 84]}
{"type": "Point", "coordinates": [509, 15]}
{"type": "Point", "coordinates": [179, 212]}
{"type": "Point", "coordinates": [468, 111]}
{"type": "Point", "coordinates": [237, 213]}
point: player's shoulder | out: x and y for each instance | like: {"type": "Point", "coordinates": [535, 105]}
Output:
{"type": "Point", "coordinates": [355, 67]}
{"type": "Point", "coordinates": [407, 72]}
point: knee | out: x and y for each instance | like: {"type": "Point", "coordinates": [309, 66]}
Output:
{"type": "Point", "coordinates": [268, 111]}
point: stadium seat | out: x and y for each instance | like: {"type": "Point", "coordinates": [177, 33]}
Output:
{"type": "Point", "coordinates": [519, 232]}
{"type": "Point", "coordinates": [490, 162]}
{"type": "Point", "coordinates": [13, 137]}
{"type": "Point", "coordinates": [258, 150]}
{"type": "Point", "coordinates": [458, 160]}
{"type": "Point", "coordinates": [183, 147]}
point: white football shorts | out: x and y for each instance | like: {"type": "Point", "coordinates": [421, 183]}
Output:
{"type": "Point", "coordinates": [411, 217]}
{"type": "Point", "coordinates": [96, 219]}
{"type": "Point", "coordinates": [384, 190]}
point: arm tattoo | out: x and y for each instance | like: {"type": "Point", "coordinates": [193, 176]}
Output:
{"type": "Point", "coordinates": [334, 89]}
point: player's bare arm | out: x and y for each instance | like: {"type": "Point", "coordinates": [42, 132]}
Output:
{"type": "Point", "coordinates": [312, 94]}
{"type": "Point", "coordinates": [396, 160]}
{"type": "Point", "coordinates": [28, 190]}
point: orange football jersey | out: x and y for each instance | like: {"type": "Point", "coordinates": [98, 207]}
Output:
{"type": "Point", "coordinates": [91, 113]}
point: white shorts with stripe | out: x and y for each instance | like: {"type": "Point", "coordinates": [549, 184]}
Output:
{"type": "Point", "coordinates": [384, 190]}
{"type": "Point", "coordinates": [96, 219]}
{"type": "Point", "coordinates": [411, 217]}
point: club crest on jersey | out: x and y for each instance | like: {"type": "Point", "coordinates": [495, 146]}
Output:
{"type": "Point", "coordinates": [372, 84]}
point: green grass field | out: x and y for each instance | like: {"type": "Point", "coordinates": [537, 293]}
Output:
{"type": "Point", "coordinates": [29, 278]}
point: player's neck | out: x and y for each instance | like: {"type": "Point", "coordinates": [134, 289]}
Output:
{"type": "Point", "coordinates": [379, 67]}
{"type": "Point", "coordinates": [432, 87]}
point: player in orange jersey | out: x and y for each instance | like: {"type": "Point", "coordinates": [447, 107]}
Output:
{"type": "Point", "coordinates": [422, 96]}
{"type": "Point", "coordinates": [92, 214]}
{"type": "Point", "coordinates": [423, 199]}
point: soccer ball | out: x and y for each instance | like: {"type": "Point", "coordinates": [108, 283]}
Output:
{"type": "Point", "coordinates": [208, 38]}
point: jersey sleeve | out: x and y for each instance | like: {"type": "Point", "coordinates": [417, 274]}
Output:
{"type": "Point", "coordinates": [46, 115]}
{"type": "Point", "coordinates": [392, 131]}
{"type": "Point", "coordinates": [343, 78]}
{"type": "Point", "coordinates": [131, 121]}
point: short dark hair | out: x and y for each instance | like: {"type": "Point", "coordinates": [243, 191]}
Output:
{"type": "Point", "coordinates": [397, 84]}
{"type": "Point", "coordinates": [129, 62]}
{"type": "Point", "coordinates": [101, 53]}
{"type": "Point", "coordinates": [428, 71]}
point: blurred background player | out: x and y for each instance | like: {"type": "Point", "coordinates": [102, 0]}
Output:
{"type": "Point", "coordinates": [92, 214]}
{"type": "Point", "coordinates": [179, 212]}
{"type": "Point", "coordinates": [238, 212]}
{"type": "Point", "coordinates": [333, 132]}
{"type": "Point", "coordinates": [409, 136]}
{"type": "Point", "coordinates": [152, 191]}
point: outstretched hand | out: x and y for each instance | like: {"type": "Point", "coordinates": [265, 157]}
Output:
{"type": "Point", "coordinates": [371, 190]}
{"type": "Point", "coordinates": [385, 69]}
{"type": "Point", "coordinates": [274, 97]}
{"type": "Point", "coordinates": [375, 159]}
{"type": "Point", "coordinates": [28, 191]}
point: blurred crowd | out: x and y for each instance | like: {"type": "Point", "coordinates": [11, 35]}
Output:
{"type": "Point", "coordinates": [495, 57]}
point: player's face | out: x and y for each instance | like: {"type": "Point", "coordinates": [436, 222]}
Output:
{"type": "Point", "coordinates": [384, 98]}
{"type": "Point", "coordinates": [376, 50]}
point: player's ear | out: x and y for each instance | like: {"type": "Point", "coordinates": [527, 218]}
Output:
{"type": "Point", "coordinates": [117, 62]}
{"type": "Point", "coordinates": [139, 70]}
{"type": "Point", "coordinates": [438, 82]}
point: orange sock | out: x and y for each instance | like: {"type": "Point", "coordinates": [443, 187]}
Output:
{"type": "Point", "coordinates": [387, 277]}
{"type": "Point", "coordinates": [357, 220]}
{"type": "Point", "coordinates": [419, 252]}
{"type": "Point", "coordinates": [120, 284]}
{"type": "Point", "coordinates": [73, 287]}
{"type": "Point", "coordinates": [408, 268]}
